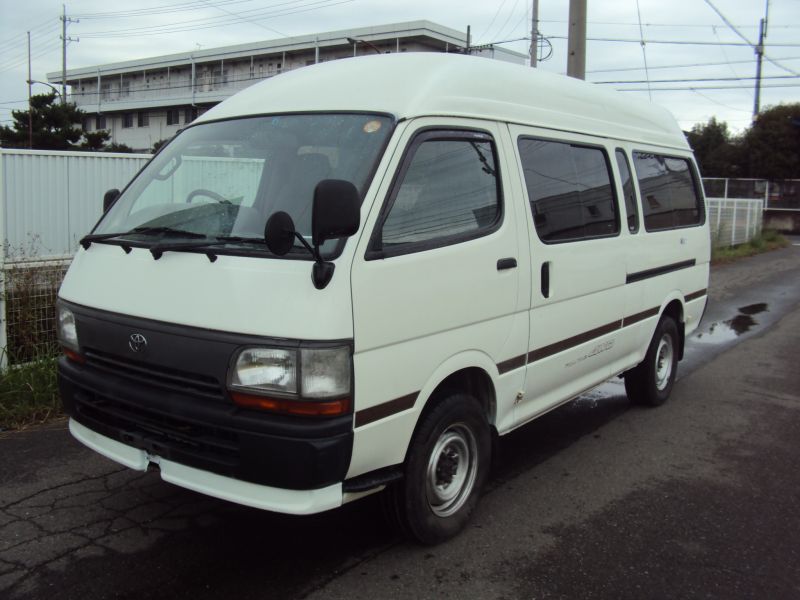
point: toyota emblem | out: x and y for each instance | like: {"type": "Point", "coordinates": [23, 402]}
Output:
{"type": "Point", "coordinates": [137, 342]}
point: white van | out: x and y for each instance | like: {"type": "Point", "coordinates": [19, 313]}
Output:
{"type": "Point", "coordinates": [350, 277]}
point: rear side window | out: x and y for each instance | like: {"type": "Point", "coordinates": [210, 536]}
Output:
{"type": "Point", "coordinates": [447, 191]}
{"type": "Point", "coordinates": [628, 192]}
{"type": "Point", "coordinates": [669, 194]}
{"type": "Point", "coordinates": [569, 189]}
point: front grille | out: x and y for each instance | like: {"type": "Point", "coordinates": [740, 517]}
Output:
{"type": "Point", "coordinates": [172, 380]}
{"type": "Point", "coordinates": [156, 432]}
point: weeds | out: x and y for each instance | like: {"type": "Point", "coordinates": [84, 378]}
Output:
{"type": "Point", "coordinates": [766, 241]}
{"type": "Point", "coordinates": [28, 389]}
{"type": "Point", "coordinates": [29, 393]}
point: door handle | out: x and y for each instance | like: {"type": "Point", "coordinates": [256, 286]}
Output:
{"type": "Point", "coordinates": [506, 263]}
{"type": "Point", "coordinates": [545, 279]}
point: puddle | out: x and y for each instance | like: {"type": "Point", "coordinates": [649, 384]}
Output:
{"type": "Point", "coordinates": [726, 331]}
{"type": "Point", "coordinates": [753, 309]}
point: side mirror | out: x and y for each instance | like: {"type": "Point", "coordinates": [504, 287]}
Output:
{"type": "Point", "coordinates": [336, 212]}
{"type": "Point", "coordinates": [109, 198]}
{"type": "Point", "coordinates": [279, 233]}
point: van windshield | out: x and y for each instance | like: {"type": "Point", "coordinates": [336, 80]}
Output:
{"type": "Point", "coordinates": [223, 180]}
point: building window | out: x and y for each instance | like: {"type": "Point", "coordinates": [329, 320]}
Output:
{"type": "Point", "coordinates": [105, 91]}
{"type": "Point", "coordinates": [87, 125]}
{"type": "Point", "coordinates": [173, 116]}
{"type": "Point", "coordinates": [143, 119]}
{"type": "Point", "coordinates": [189, 115]}
{"type": "Point", "coordinates": [127, 120]}
{"type": "Point", "coordinates": [100, 122]}
{"type": "Point", "coordinates": [124, 88]}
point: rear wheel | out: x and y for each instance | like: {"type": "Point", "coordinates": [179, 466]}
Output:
{"type": "Point", "coordinates": [650, 382]}
{"type": "Point", "coordinates": [445, 470]}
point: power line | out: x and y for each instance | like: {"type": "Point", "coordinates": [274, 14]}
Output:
{"type": "Point", "coordinates": [207, 22]}
{"type": "Point", "coordinates": [245, 20]}
{"type": "Point", "coordinates": [684, 65]}
{"type": "Point", "coordinates": [707, 87]}
{"type": "Point", "coordinates": [165, 9]}
{"type": "Point", "coordinates": [679, 42]}
{"type": "Point", "coordinates": [697, 79]}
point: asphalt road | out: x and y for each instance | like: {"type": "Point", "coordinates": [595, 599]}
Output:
{"type": "Point", "coordinates": [699, 498]}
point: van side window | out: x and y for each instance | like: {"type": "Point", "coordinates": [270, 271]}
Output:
{"type": "Point", "coordinates": [569, 190]}
{"type": "Point", "coordinates": [447, 191]}
{"type": "Point", "coordinates": [628, 192]}
{"type": "Point", "coordinates": [669, 195]}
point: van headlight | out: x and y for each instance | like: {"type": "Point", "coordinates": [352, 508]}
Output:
{"type": "Point", "coordinates": [313, 381]}
{"type": "Point", "coordinates": [67, 330]}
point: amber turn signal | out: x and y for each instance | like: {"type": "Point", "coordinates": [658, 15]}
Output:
{"type": "Point", "coordinates": [307, 408]}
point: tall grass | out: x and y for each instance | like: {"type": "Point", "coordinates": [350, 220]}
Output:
{"type": "Point", "coordinates": [28, 388]}
{"type": "Point", "coordinates": [764, 242]}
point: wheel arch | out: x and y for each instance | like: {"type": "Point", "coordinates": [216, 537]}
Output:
{"type": "Point", "coordinates": [674, 308]}
{"type": "Point", "coordinates": [472, 373]}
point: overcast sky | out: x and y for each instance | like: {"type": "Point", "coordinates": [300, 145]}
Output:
{"type": "Point", "coordinates": [111, 30]}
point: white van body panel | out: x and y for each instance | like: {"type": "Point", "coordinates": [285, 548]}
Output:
{"type": "Point", "coordinates": [240, 294]}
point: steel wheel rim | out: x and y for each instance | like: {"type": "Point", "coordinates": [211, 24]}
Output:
{"type": "Point", "coordinates": [452, 469]}
{"type": "Point", "coordinates": [664, 360]}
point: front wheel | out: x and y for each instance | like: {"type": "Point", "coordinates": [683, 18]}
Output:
{"type": "Point", "coordinates": [446, 467]}
{"type": "Point", "coordinates": [650, 382]}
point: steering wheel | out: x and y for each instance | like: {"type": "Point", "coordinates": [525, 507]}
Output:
{"type": "Point", "coordinates": [209, 194]}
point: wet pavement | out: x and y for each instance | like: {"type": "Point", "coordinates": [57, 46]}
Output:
{"type": "Point", "coordinates": [598, 499]}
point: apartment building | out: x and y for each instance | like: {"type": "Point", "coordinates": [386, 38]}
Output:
{"type": "Point", "coordinates": [143, 101]}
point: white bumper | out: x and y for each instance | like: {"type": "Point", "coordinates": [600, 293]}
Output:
{"type": "Point", "coordinates": [294, 502]}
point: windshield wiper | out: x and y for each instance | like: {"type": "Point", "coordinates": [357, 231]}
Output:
{"type": "Point", "coordinates": [158, 249]}
{"type": "Point", "coordinates": [87, 240]}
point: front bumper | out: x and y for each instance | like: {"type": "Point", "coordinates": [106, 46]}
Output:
{"type": "Point", "coordinates": [295, 502]}
{"type": "Point", "coordinates": [208, 445]}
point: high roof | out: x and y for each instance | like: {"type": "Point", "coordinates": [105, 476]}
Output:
{"type": "Point", "coordinates": [426, 84]}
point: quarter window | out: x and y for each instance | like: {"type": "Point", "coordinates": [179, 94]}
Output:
{"type": "Point", "coordinates": [669, 196]}
{"type": "Point", "coordinates": [447, 192]}
{"type": "Point", "coordinates": [569, 190]}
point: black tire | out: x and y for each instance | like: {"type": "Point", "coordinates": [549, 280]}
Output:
{"type": "Point", "coordinates": [452, 446]}
{"type": "Point", "coordinates": [650, 382]}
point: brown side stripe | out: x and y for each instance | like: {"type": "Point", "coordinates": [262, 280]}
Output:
{"type": "Point", "coordinates": [642, 275]}
{"type": "Point", "coordinates": [387, 409]}
{"type": "Point", "coordinates": [696, 295]}
{"type": "Point", "coordinates": [568, 343]}
{"type": "Point", "coordinates": [645, 314]}
{"type": "Point", "coordinates": [511, 364]}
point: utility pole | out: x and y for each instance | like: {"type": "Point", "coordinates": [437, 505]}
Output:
{"type": "Point", "coordinates": [576, 44]}
{"type": "Point", "coordinates": [64, 39]}
{"type": "Point", "coordinates": [535, 33]}
{"type": "Point", "coordinates": [759, 50]}
{"type": "Point", "coordinates": [30, 106]}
